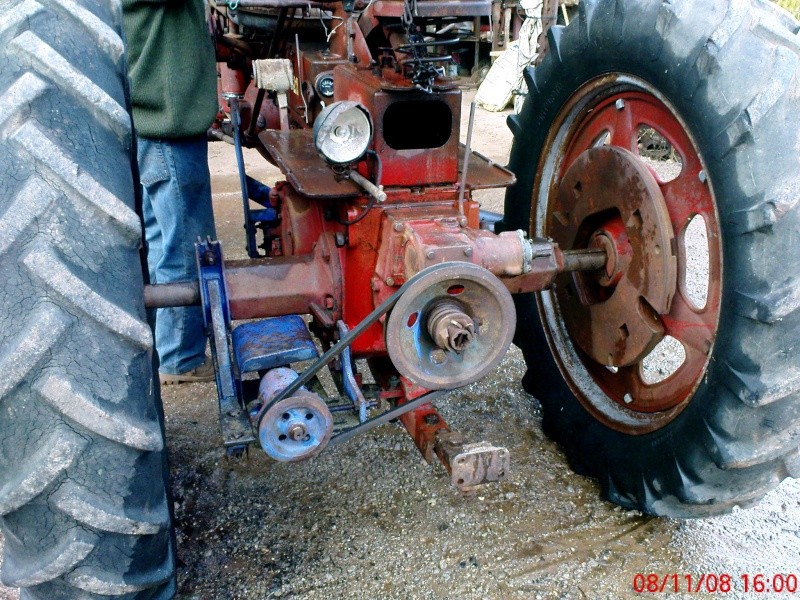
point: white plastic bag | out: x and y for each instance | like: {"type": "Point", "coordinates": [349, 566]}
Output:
{"type": "Point", "coordinates": [504, 79]}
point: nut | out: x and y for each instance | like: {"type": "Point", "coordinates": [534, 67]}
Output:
{"type": "Point", "coordinates": [438, 356]}
{"type": "Point", "coordinates": [297, 432]}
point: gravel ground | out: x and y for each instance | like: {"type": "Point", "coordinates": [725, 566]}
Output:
{"type": "Point", "coordinates": [371, 520]}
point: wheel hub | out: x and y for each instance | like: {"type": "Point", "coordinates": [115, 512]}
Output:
{"type": "Point", "coordinates": [609, 199]}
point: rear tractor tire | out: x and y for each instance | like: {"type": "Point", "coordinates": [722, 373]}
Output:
{"type": "Point", "coordinates": [84, 507]}
{"type": "Point", "coordinates": [718, 82]}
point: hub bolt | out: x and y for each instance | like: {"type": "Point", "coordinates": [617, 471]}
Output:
{"type": "Point", "coordinates": [438, 356]}
{"type": "Point", "coordinates": [297, 432]}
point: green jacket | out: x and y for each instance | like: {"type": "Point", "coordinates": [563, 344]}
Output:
{"type": "Point", "coordinates": [171, 67]}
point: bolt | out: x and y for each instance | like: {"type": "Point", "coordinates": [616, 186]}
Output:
{"type": "Point", "coordinates": [339, 239]}
{"type": "Point", "coordinates": [462, 221]}
{"type": "Point", "coordinates": [467, 251]}
{"type": "Point", "coordinates": [627, 398]}
{"type": "Point", "coordinates": [398, 227]}
{"type": "Point", "coordinates": [329, 302]}
{"type": "Point", "coordinates": [620, 104]}
{"type": "Point", "coordinates": [389, 281]}
{"type": "Point", "coordinates": [702, 176]}
{"type": "Point", "coordinates": [429, 254]}
{"type": "Point", "coordinates": [438, 356]}
{"type": "Point", "coordinates": [431, 419]}
{"type": "Point", "coordinates": [297, 432]}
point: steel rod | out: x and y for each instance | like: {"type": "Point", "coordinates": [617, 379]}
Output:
{"type": "Point", "coordinates": [462, 188]}
{"type": "Point", "coordinates": [165, 295]}
{"type": "Point", "coordinates": [584, 260]}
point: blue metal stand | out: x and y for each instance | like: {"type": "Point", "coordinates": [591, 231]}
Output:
{"type": "Point", "coordinates": [237, 431]}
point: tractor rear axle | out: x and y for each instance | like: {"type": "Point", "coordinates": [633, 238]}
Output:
{"type": "Point", "coordinates": [187, 293]}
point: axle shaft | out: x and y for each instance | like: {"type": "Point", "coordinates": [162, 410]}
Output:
{"type": "Point", "coordinates": [591, 259]}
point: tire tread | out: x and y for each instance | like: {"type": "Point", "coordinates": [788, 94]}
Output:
{"type": "Point", "coordinates": [62, 516]}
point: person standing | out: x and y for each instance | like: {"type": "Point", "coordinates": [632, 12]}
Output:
{"type": "Point", "coordinates": [171, 65]}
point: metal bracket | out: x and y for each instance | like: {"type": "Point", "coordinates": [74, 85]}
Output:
{"type": "Point", "coordinates": [351, 387]}
{"type": "Point", "coordinates": [234, 422]}
{"type": "Point", "coordinates": [471, 465]}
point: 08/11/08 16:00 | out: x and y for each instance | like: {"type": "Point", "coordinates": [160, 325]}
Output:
{"type": "Point", "coordinates": [713, 583]}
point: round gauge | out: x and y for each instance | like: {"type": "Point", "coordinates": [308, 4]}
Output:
{"type": "Point", "coordinates": [324, 85]}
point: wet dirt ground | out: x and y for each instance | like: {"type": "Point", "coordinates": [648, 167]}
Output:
{"type": "Point", "coordinates": [371, 520]}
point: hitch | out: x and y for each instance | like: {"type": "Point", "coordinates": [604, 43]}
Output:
{"type": "Point", "coordinates": [469, 465]}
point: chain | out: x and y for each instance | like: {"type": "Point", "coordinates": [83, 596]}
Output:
{"type": "Point", "coordinates": [422, 74]}
{"type": "Point", "coordinates": [409, 11]}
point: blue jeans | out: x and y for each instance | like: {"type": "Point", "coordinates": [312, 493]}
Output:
{"type": "Point", "coordinates": [176, 205]}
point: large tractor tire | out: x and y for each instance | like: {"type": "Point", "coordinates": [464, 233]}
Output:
{"type": "Point", "coordinates": [719, 81]}
{"type": "Point", "coordinates": [83, 496]}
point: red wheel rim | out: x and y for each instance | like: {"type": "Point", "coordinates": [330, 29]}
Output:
{"type": "Point", "coordinates": [616, 118]}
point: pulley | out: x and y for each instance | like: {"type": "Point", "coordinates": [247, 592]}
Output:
{"type": "Point", "coordinates": [451, 326]}
{"type": "Point", "coordinates": [297, 427]}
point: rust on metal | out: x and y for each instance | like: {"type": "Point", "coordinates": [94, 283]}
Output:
{"type": "Point", "coordinates": [608, 199]}
{"type": "Point", "coordinates": [481, 296]}
{"type": "Point", "coordinates": [426, 241]}
{"type": "Point", "coordinates": [616, 118]}
{"type": "Point", "coordinates": [450, 327]}
{"type": "Point", "coordinates": [271, 287]}
{"type": "Point", "coordinates": [435, 8]}
{"type": "Point", "coordinates": [469, 465]}
{"type": "Point", "coordinates": [422, 425]}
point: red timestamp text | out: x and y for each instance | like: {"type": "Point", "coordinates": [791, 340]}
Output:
{"type": "Point", "coordinates": [778, 583]}
{"type": "Point", "coordinates": [715, 583]}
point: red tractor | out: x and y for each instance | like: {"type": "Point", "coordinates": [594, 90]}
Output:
{"type": "Point", "coordinates": [373, 250]}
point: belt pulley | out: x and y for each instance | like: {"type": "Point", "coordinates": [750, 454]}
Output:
{"type": "Point", "coordinates": [482, 299]}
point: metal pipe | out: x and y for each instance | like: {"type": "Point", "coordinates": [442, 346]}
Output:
{"type": "Point", "coordinates": [584, 260]}
{"type": "Point", "coordinates": [236, 121]}
{"type": "Point", "coordinates": [165, 295]}
{"type": "Point", "coordinates": [488, 219]}
{"type": "Point", "coordinates": [462, 188]}
{"type": "Point", "coordinates": [373, 190]}
{"type": "Point", "coordinates": [251, 129]}
{"type": "Point", "coordinates": [278, 29]}
{"type": "Point", "coordinates": [300, 77]}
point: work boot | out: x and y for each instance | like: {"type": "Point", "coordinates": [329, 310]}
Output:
{"type": "Point", "coordinates": [200, 374]}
